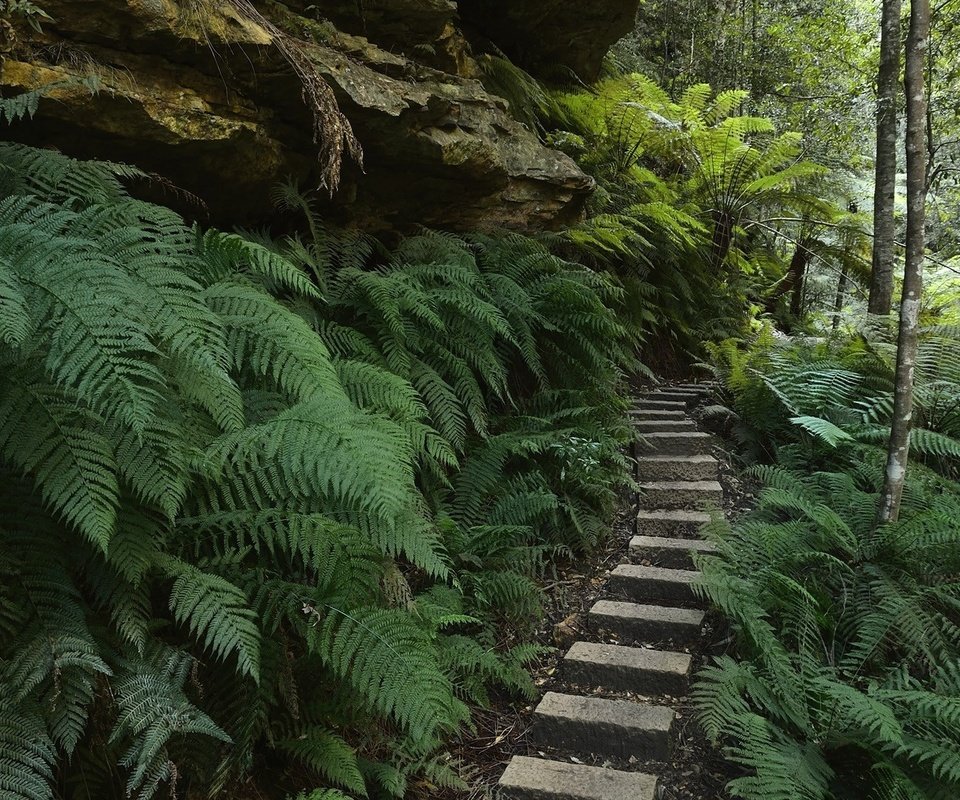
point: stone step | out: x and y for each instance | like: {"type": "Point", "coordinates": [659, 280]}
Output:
{"type": "Point", "coordinates": [680, 494]}
{"type": "Point", "coordinates": [647, 413]}
{"type": "Point", "coordinates": [627, 669]}
{"type": "Point", "coordinates": [539, 779]}
{"type": "Point", "coordinates": [676, 443]}
{"type": "Point", "coordinates": [654, 584]}
{"type": "Point", "coordinates": [668, 389]}
{"type": "Point", "coordinates": [645, 426]}
{"type": "Point", "coordinates": [706, 383]}
{"type": "Point", "coordinates": [646, 623]}
{"type": "Point", "coordinates": [671, 523]}
{"type": "Point", "coordinates": [643, 404]}
{"type": "Point", "coordinates": [595, 725]}
{"type": "Point", "coordinates": [677, 468]}
{"type": "Point", "coordinates": [673, 553]}
{"type": "Point", "coordinates": [687, 398]}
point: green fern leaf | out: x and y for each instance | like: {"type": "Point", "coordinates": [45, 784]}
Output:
{"type": "Point", "coordinates": [27, 753]}
{"type": "Point", "coordinates": [61, 445]}
{"type": "Point", "coordinates": [823, 429]}
{"type": "Point", "coordinates": [216, 612]}
{"type": "Point", "coordinates": [326, 753]}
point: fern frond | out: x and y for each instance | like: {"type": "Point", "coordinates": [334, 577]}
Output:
{"type": "Point", "coordinates": [152, 711]}
{"type": "Point", "coordinates": [216, 612]}
{"type": "Point", "coordinates": [328, 755]}
{"type": "Point", "coordinates": [390, 664]}
{"type": "Point", "coordinates": [27, 753]}
{"type": "Point", "coordinates": [49, 436]}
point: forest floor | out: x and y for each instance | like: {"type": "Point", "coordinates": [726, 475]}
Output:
{"type": "Point", "coordinates": [697, 770]}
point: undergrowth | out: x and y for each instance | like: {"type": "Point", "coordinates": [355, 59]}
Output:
{"type": "Point", "coordinates": [277, 508]}
{"type": "Point", "coordinates": [844, 682]}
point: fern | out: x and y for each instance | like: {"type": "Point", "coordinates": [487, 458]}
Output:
{"type": "Point", "coordinates": [388, 660]}
{"type": "Point", "coordinates": [152, 709]}
{"type": "Point", "coordinates": [840, 624]}
{"type": "Point", "coordinates": [327, 754]}
{"type": "Point", "coordinates": [278, 500]}
{"type": "Point", "coordinates": [216, 612]}
{"type": "Point", "coordinates": [27, 753]}
{"type": "Point", "coordinates": [842, 390]}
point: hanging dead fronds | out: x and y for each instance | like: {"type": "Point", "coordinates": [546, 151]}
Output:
{"type": "Point", "coordinates": [332, 132]}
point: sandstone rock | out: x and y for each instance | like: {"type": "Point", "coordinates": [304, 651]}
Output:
{"type": "Point", "coordinates": [201, 95]}
{"type": "Point", "coordinates": [546, 35]}
{"type": "Point", "coordinates": [425, 30]}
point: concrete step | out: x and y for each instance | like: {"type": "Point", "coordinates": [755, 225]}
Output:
{"type": "Point", "coordinates": [644, 404]}
{"type": "Point", "coordinates": [677, 468]}
{"type": "Point", "coordinates": [702, 386]}
{"type": "Point", "coordinates": [648, 413]}
{"type": "Point", "coordinates": [645, 426]}
{"type": "Point", "coordinates": [539, 779]}
{"type": "Point", "coordinates": [654, 584]}
{"type": "Point", "coordinates": [595, 725]}
{"type": "Point", "coordinates": [627, 669]}
{"type": "Point", "coordinates": [646, 623]}
{"type": "Point", "coordinates": [680, 494]}
{"type": "Point", "coordinates": [671, 523]}
{"type": "Point", "coordinates": [675, 396]}
{"type": "Point", "coordinates": [672, 553]}
{"type": "Point", "coordinates": [676, 443]}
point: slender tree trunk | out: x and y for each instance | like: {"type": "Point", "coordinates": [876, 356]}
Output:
{"type": "Point", "coordinates": [798, 275]}
{"type": "Point", "coordinates": [917, 44]}
{"type": "Point", "coordinates": [881, 279]}
{"type": "Point", "coordinates": [722, 239]}
{"type": "Point", "coordinates": [841, 295]}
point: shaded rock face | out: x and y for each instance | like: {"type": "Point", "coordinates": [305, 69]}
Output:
{"type": "Point", "coordinates": [424, 30]}
{"type": "Point", "coordinates": [199, 93]}
{"type": "Point", "coordinates": [551, 37]}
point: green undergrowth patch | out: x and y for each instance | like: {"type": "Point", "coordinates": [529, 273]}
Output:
{"type": "Point", "coordinates": [278, 508]}
{"type": "Point", "coordinates": [843, 682]}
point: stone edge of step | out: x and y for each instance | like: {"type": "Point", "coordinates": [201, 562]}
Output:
{"type": "Point", "coordinates": [527, 777]}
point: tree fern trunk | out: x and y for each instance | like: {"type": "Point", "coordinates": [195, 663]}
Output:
{"type": "Point", "coordinates": [841, 296]}
{"type": "Point", "coordinates": [899, 450]}
{"type": "Point", "coordinates": [881, 277]}
{"type": "Point", "coordinates": [798, 275]}
{"type": "Point", "coordinates": [722, 238]}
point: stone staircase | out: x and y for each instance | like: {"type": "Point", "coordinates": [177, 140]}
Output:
{"type": "Point", "coordinates": [655, 613]}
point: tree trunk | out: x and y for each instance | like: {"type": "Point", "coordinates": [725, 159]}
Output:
{"type": "Point", "coordinates": [841, 296]}
{"type": "Point", "coordinates": [888, 76]}
{"type": "Point", "coordinates": [798, 275]}
{"type": "Point", "coordinates": [722, 238]}
{"type": "Point", "coordinates": [917, 44]}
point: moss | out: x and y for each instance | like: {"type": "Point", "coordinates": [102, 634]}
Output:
{"type": "Point", "coordinates": [313, 29]}
{"type": "Point", "coordinates": [211, 21]}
